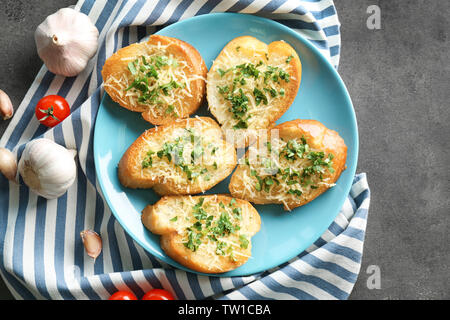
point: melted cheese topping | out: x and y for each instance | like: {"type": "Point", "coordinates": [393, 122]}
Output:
{"type": "Point", "coordinates": [169, 103]}
{"type": "Point", "coordinates": [178, 214]}
{"type": "Point", "coordinates": [264, 163]}
{"type": "Point", "coordinates": [212, 155]}
{"type": "Point", "coordinates": [259, 113]}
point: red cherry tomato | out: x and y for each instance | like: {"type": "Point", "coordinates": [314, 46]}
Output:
{"type": "Point", "coordinates": [158, 294]}
{"type": "Point", "coordinates": [123, 295]}
{"type": "Point", "coordinates": [51, 110]}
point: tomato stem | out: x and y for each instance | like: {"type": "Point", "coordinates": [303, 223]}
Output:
{"type": "Point", "coordinates": [48, 113]}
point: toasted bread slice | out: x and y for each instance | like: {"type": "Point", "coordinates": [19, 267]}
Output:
{"type": "Point", "coordinates": [187, 156]}
{"type": "Point", "coordinates": [163, 78]}
{"type": "Point", "coordinates": [292, 164]}
{"type": "Point", "coordinates": [250, 85]}
{"type": "Point", "coordinates": [210, 234]}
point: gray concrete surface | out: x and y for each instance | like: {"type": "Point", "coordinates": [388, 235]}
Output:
{"type": "Point", "coordinates": [399, 79]}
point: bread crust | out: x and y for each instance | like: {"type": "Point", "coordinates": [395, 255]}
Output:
{"type": "Point", "coordinates": [155, 220]}
{"type": "Point", "coordinates": [272, 53]}
{"type": "Point", "coordinates": [132, 177]}
{"type": "Point", "coordinates": [117, 65]}
{"type": "Point", "coordinates": [318, 137]}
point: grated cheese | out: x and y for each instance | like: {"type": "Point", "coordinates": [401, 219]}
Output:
{"type": "Point", "coordinates": [277, 193]}
{"type": "Point", "coordinates": [261, 116]}
{"type": "Point", "coordinates": [177, 97]}
{"type": "Point", "coordinates": [167, 172]}
{"type": "Point", "coordinates": [206, 251]}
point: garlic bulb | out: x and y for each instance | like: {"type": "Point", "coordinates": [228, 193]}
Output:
{"type": "Point", "coordinates": [6, 107]}
{"type": "Point", "coordinates": [65, 41]}
{"type": "Point", "coordinates": [47, 168]}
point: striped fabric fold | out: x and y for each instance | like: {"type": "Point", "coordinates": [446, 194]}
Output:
{"type": "Point", "coordinates": [41, 255]}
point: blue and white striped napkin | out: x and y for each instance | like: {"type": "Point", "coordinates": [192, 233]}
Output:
{"type": "Point", "coordinates": [41, 254]}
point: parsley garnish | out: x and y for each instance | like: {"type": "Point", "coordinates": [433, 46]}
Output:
{"type": "Point", "coordinates": [160, 61]}
{"type": "Point", "coordinates": [298, 193]}
{"type": "Point", "coordinates": [194, 240]}
{"type": "Point", "coordinates": [206, 226]}
{"type": "Point", "coordinates": [244, 241]}
{"type": "Point", "coordinates": [284, 75]}
{"type": "Point", "coordinates": [249, 70]}
{"type": "Point", "coordinates": [294, 149]}
{"type": "Point", "coordinates": [239, 107]}
{"type": "Point", "coordinates": [259, 96]}
{"type": "Point", "coordinates": [272, 91]}
{"type": "Point", "coordinates": [169, 86]}
{"type": "Point", "coordinates": [147, 162]}
{"type": "Point", "coordinates": [132, 67]}
{"type": "Point", "coordinates": [222, 72]}
{"type": "Point", "coordinates": [146, 76]}
{"type": "Point", "coordinates": [175, 150]}
{"type": "Point", "coordinates": [236, 96]}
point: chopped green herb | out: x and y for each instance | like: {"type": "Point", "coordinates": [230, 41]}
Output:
{"type": "Point", "coordinates": [169, 86]}
{"type": "Point", "coordinates": [215, 229]}
{"type": "Point", "coordinates": [237, 213]}
{"type": "Point", "coordinates": [268, 181]}
{"type": "Point", "coordinates": [294, 149]}
{"type": "Point", "coordinates": [174, 219]}
{"type": "Point", "coordinates": [222, 72]}
{"type": "Point", "coordinates": [132, 67]}
{"type": "Point", "coordinates": [151, 72]}
{"type": "Point", "coordinates": [170, 109]}
{"type": "Point", "coordinates": [223, 90]}
{"type": "Point", "coordinates": [242, 124]}
{"type": "Point", "coordinates": [259, 96]}
{"type": "Point", "coordinates": [160, 61]}
{"type": "Point", "coordinates": [224, 225]}
{"type": "Point", "coordinates": [239, 107]}
{"type": "Point", "coordinates": [220, 248]}
{"type": "Point", "coordinates": [194, 240]}
{"type": "Point", "coordinates": [244, 241]}
{"type": "Point", "coordinates": [284, 75]}
{"type": "Point", "coordinates": [248, 70]}
{"type": "Point", "coordinates": [298, 193]}
{"type": "Point", "coordinates": [175, 151]}
{"type": "Point", "coordinates": [272, 91]}
{"type": "Point", "coordinates": [196, 153]}
{"type": "Point", "coordinates": [147, 162]}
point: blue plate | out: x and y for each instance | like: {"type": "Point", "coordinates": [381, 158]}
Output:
{"type": "Point", "coordinates": [322, 96]}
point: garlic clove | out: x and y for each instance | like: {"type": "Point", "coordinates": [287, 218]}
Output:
{"type": "Point", "coordinates": [66, 41]}
{"type": "Point", "coordinates": [47, 168]}
{"type": "Point", "coordinates": [8, 164]}
{"type": "Point", "coordinates": [92, 243]}
{"type": "Point", "coordinates": [6, 107]}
